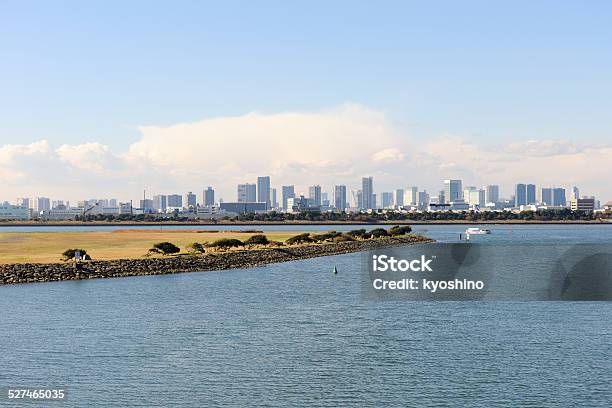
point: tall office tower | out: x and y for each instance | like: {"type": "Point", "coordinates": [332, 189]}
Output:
{"type": "Point", "coordinates": [191, 201]}
{"type": "Point", "coordinates": [314, 193]}
{"type": "Point", "coordinates": [247, 193]}
{"type": "Point", "coordinates": [357, 199]}
{"type": "Point", "coordinates": [520, 195]}
{"type": "Point", "coordinates": [558, 197]}
{"type": "Point", "coordinates": [399, 197]}
{"type": "Point", "coordinates": [531, 194]}
{"type": "Point", "coordinates": [340, 197]}
{"type": "Point", "coordinates": [466, 192]}
{"type": "Point", "coordinates": [287, 193]}
{"type": "Point", "coordinates": [113, 202]}
{"type": "Point", "coordinates": [441, 197]}
{"type": "Point", "coordinates": [492, 193]}
{"type": "Point", "coordinates": [452, 190]}
{"type": "Point", "coordinates": [476, 197]}
{"type": "Point", "coordinates": [146, 205]}
{"type": "Point", "coordinates": [374, 201]}
{"type": "Point", "coordinates": [273, 199]}
{"type": "Point", "coordinates": [367, 192]}
{"type": "Point", "coordinates": [411, 196]}
{"type": "Point", "coordinates": [208, 197]}
{"type": "Point", "coordinates": [24, 202]}
{"type": "Point", "coordinates": [42, 204]}
{"type": "Point", "coordinates": [547, 197]}
{"type": "Point", "coordinates": [575, 193]}
{"type": "Point", "coordinates": [160, 203]}
{"type": "Point", "coordinates": [263, 190]}
{"type": "Point", "coordinates": [174, 200]}
{"type": "Point", "coordinates": [325, 200]}
{"type": "Point", "coordinates": [387, 200]}
{"type": "Point", "coordinates": [423, 198]}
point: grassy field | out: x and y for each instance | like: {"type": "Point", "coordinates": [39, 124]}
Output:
{"type": "Point", "coordinates": [44, 247]}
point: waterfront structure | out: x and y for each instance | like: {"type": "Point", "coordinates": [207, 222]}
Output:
{"type": "Point", "coordinates": [11, 212]}
{"type": "Point", "coordinates": [314, 193]}
{"type": "Point", "coordinates": [247, 193]}
{"type": "Point", "coordinates": [263, 190]}
{"type": "Point", "coordinates": [492, 193]}
{"type": "Point", "coordinates": [126, 208]}
{"type": "Point", "coordinates": [399, 197]}
{"type": "Point", "coordinates": [243, 207]}
{"type": "Point", "coordinates": [287, 193]}
{"type": "Point", "coordinates": [452, 190]}
{"type": "Point", "coordinates": [60, 214]}
{"type": "Point", "coordinates": [367, 191]}
{"type": "Point", "coordinates": [340, 197]}
{"type": "Point", "coordinates": [174, 201]}
{"type": "Point", "coordinates": [208, 197]}
{"type": "Point", "coordinates": [582, 204]}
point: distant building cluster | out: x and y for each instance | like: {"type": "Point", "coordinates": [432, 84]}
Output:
{"type": "Point", "coordinates": [261, 197]}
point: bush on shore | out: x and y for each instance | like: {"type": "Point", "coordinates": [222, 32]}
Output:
{"type": "Point", "coordinates": [326, 236]}
{"type": "Point", "coordinates": [227, 243]}
{"type": "Point", "coordinates": [69, 253]}
{"type": "Point", "coordinates": [358, 233]}
{"type": "Point", "coordinates": [299, 239]}
{"type": "Point", "coordinates": [377, 233]}
{"type": "Point", "coordinates": [258, 239]}
{"type": "Point", "coordinates": [196, 248]}
{"type": "Point", "coordinates": [165, 248]}
{"type": "Point", "coordinates": [343, 238]}
{"type": "Point", "coordinates": [399, 230]}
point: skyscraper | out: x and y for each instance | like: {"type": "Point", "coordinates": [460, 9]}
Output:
{"type": "Point", "coordinates": [558, 196]}
{"type": "Point", "coordinates": [340, 197]}
{"type": "Point", "coordinates": [411, 195]}
{"type": "Point", "coordinates": [367, 191]}
{"type": "Point", "coordinates": [520, 195]}
{"type": "Point", "coordinates": [263, 190]}
{"type": "Point", "coordinates": [492, 193]}
{"type": "Point", "coordinates": [209, 197]}
{"type": "Point", "coordinates": [575, 193]}
{"type": "Point", "coordinates": [314, 193]}
{"type": "Point", "coordinates": [191, 201]}
{"type": "Point", "coordinates": [452, 190]}
{"type": "Point", "coordinates": [547, 197]}
{"type": "Point", "coordinates": [287, 193]}
{"type": "Point", "coordinates": [399, 197]}
{"type": "Point", "coordinates": [531, 193]}
{"type": "Point", "coordinates": [175, 200]}
{"type": "Point", "coordinates": [247, 193]}
{"type": "Point", "coordinates": [387, 199]}
{"type": "Point", "coordinates": [273, 198]}
{"type": "Point", "coordinates": [160, 203]}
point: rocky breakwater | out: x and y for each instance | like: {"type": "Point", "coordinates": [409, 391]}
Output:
{"type": "Point", "coordinates": [29, 272]}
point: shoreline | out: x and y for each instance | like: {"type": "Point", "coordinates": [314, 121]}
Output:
{"type": "Point", "coordinates": [298, 223]}
{"type": "Point", "coordinates": [54, 272]}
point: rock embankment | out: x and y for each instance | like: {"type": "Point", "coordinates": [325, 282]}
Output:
{"type": "Point", "coordinates": [30, 272]}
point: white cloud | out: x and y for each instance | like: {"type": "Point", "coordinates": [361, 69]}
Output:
{"type": "Point", "coordinates": [332, 146]}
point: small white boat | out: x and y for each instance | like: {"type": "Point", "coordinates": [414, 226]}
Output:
{"type": "Point", "coordinates": [477, 231]}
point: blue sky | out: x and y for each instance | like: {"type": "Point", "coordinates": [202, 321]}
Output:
{"type": "Point", "coordinates": [74, 72]}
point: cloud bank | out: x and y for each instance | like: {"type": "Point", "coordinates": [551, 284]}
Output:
{"type": "Point", "coordinates": [335, 146]}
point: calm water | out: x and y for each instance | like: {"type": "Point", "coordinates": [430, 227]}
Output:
{"type": "Point", "coordinates": [293, 334]}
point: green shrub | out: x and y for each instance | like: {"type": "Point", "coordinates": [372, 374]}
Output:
{"type": "Point", "coordinates": [343, 238]}
{"type": "Point", "coordinates": [227, 243]}
{"type": "Point", "coordinates": [358, 233]}
{"type": "Point", "coordinates": [165, 248]}
{"type": "Point", "coordinates": [69, 253]}
{"type": "Point", "coordinates": [323, 237]}
{"type": "Point", "coordinates": [400, 230]}
{"type": "Point", "coordinates": [196, 247]}
{"type": "Point", "coordinates": [299, 239]}
{"type": "Point", "coordinates": [378, 232]}
{"type": "Point", "coordinates": [259, 239]}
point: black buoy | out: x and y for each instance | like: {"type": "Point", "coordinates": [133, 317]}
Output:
{"type": "Point", "coordinates": [335, 270]}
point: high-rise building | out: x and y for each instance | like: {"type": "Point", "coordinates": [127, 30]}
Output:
{"type": "Point", "coordinates": [113, 203]}
{"type": "Point", "coordinates": [387, 199]}
{"type": "Point", "coordinates": [411, 196]}
{"type": "Point", "coordinates": [575, 193]}
{"type": "Point", "coordinates": [582, 204]}
{"type": "Point", "coordinates": [476, 197]}
{"type": "Point", "coordinates": [314, 193]}
{"type": "Point", "coordinates": [492, 193]}
{"type": "Point", "coordinates": [325, 200]}
{"type": "Point", "coordinates": [558, 196]}
{"type": "Point", "coordinates": [146, 205]}
{"type": "Point", "coordinates": [174, 200]}
{"type": "Point", "coordinates": [263, 190]}
{"type": "Point", "coordinates": [340, 197]}
{"type": "Point", "coordinates": [191, 201]}
{"type": "Point", "coordinates": [208, 197]}
{"type": "Point", "coordinates": [399, 197]}
{"type": "Point", "coordinates": [160, 203]}
{"type": "Point", "coordinates": [247, 193]}
{"type": "Point", "coordinates": [287, 193]}
{"type": "Point", "coordinates": [520, 195]}
{"type": "Point", "coordinates": [452, 191]}
{"type": "Point", "coordinates": [357, 199]}
{"type": "Point", "coordinates": [367, 191]}
{"type": "Point", "coordinates": [441, 197]}
{"type": "Point", "coordinates": [42, 204]}
{"type": "Point", "coordinates": [273, 199]}
{"type": "Point", "coordinates": [547, 198]}
{"type": "Point", "coordinates": [24, 202]}
{"type": "Point", "coordinates": [422, 198]}
{"type": "Point", "coordinates": [466, 192]}
{"type": "Point", "coordinates": [531, 193]}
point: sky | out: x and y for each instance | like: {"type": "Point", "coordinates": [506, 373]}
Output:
{"type": "Point", "coordinates": [105, 99]}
